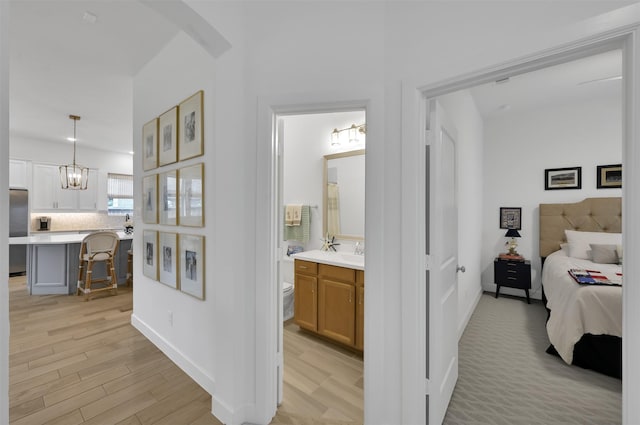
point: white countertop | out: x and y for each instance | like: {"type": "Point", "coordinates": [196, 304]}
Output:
{"type": "Point", "coordinates": [340, 259]}
{"type": "Point", "coordinates": [55, 239]}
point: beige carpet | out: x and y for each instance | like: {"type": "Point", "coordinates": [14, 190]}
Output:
{"type": "Point", "coordinates": [505, 376]}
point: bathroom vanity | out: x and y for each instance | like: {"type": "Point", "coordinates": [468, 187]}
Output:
{"type": "Point", "coordinates": [329, 296]}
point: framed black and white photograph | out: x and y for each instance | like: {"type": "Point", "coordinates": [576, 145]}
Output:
{"type": "Point", "coordinates": [510, 218]}
{"type": "Point", "coordinates": [150, 199]}
{"type": "Point", "coordinates": [168, 197]}
{"type": "Point", "coordinates": [168, 137]}
{"type": "Point", "coordinates": [191, 136]}
{"type": "Point", "coordinates": [191, 265]}
{"type": "Point", "coordinates": [150, 145]}
{"type": "Point", "coordinates": [609, 176]}
{"type": "Point", "coordinates": [168, 258]}
{"type": "Point", "coordinates": [563, 178]}
{"type": "Point", "coordinates": [191, 195]}
{"type": "Point", "coordinates": [150, 254]}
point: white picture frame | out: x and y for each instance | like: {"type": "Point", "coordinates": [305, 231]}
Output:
{"type": "Point", "coordinates": [150, 199]}
{"type": "Point", "coordinates": [192, 265]}
{"type": "Point", "coordinates": [149, 145]}
{"type": "Point", "coordinates": [168, 259]}
{"type": "Point", "coordinates": [168, 198]}
{"type": "Point", "coordinates": [150, 254]}
{"type": "Point", "coordinates": [191, 196]}
{"type": "Point", "coordinates": [191, 127]}
{"type": "Point", "coordinates": [168, 128]}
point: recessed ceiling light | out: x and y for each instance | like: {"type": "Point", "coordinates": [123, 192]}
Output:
{"type": "Point", "coordinates": [89, 18]}
{"type": "Point", "coordinates": [130, 152]}
{"type": "Point", "coordinates": [71, 139]}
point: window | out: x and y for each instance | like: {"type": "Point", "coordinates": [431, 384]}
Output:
{"type": "Point", "coordinates": [120, 194]}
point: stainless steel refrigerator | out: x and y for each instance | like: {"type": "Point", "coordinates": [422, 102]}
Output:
{"type": "Point", "coordinates": [18, 226]}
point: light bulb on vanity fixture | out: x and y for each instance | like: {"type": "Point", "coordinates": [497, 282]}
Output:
{"type": "Point", "coordinates": [74, 176]}
{"type": "Point", "coordinates": [354, 132]}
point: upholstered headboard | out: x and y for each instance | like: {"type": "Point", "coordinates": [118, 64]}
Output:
{"type": "Point", "coordinates": [589, 215]}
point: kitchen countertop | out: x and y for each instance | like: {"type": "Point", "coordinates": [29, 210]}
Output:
{"type": "Point", "coordinates": [55, 239]}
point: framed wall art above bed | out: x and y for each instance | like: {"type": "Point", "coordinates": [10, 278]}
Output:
{"type": "Point", "coordinates": [609, 176]}
{"type": "Point", "coordinates": [563, 178]}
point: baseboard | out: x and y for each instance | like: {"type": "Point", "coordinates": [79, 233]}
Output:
{"type": "Point", "coordinates": [467, 316]}
{"type": "Point", "coordinates": [228, 416]}
{"type": "Point", "coordinates": [176, 356]}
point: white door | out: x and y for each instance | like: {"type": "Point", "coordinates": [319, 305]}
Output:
{"type": "Point", "coordinates": [442, 250]}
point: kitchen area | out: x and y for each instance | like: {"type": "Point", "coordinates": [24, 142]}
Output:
{"type": "Point", "coordinates": [48, 223]}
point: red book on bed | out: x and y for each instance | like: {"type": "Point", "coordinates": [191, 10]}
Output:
{"type": "Point", "coordinates": [591, 277]}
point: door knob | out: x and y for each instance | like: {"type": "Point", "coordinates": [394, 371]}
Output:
{"type": "Point", "coordinates": [460, 269]}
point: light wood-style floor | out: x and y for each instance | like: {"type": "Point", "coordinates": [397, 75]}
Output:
{"type": "Point", "coordinates": [75, 362]}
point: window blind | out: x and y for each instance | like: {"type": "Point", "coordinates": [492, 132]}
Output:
{"type": "Point", "coordinates": [120, 186]}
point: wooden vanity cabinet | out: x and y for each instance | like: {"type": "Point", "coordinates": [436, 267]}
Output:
{"type": "Point", "coordinates": [360, 309]}
{"type": "Point", "coordinates": [305, 294]}
{"type": "Point", "coordinates": [338, 312]}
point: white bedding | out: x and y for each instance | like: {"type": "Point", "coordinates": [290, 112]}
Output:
{"type": "Point", "coordinates": [578, 309]}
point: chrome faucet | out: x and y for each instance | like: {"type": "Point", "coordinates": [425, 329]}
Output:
{"type": "Point", "coordinates": [359, 249]}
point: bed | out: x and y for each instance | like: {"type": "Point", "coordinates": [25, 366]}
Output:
{"type": "Point", "coordinates": [585, 321]}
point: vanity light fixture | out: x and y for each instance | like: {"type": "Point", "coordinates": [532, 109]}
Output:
{"type": "Point", "coordinates": [353, 132]}
{"type": "Point", "coordinates": [74, 176]}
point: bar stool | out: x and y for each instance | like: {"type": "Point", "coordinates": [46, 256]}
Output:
{"type": "Point", "coordinates": [97, 247]}
{"type": "Point", "coordinates": [130, 267]}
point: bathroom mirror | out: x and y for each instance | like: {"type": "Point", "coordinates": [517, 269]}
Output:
{"type": "Point", "coordinates": [343, 190]}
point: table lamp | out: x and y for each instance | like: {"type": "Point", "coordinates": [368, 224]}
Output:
{"type": "Point", "coordinates": [512, 244]}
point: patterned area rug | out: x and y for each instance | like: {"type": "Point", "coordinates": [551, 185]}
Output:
{"type": "Point", "coordinates": [505, 376]}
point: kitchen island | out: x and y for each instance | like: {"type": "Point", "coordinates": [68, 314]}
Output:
{"type": "Point", "coordinates": [53, 261]}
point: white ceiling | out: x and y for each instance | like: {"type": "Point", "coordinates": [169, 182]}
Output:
{"type": "Point", "coordinates": [560, 84]}
{"type": "Point", "coordinates": [62, 65]}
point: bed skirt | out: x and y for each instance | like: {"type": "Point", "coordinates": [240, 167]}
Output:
{"type": "Point", "coordinates": [602, 353]}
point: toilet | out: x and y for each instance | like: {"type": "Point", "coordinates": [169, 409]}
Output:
{"type": "Point", "coordinates": [287, 301]}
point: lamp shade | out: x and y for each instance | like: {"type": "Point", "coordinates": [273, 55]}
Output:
{"type": "Point", "coordinates": [512, 233]}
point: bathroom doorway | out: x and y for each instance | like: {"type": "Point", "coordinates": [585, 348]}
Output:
{"type": "Point", "coordinates": [319, 379]}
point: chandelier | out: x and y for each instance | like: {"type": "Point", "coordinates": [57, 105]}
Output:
{"type": "Point", "coordinates": [74, 176]}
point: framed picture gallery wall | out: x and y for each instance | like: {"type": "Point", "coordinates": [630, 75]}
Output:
{"type": "Point", "coordinates": [173, 197]}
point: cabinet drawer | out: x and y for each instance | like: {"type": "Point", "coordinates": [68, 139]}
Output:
{"type": "Point", "coordinates": [335, 272]}
{"type": "Point", "coordinates": [306, 267]}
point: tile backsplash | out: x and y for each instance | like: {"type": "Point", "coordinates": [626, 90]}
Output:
{"type": "Point", "coordinates": [79, 221]}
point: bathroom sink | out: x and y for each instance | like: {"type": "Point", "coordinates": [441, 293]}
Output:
{"type": "Point", "coordinates": [352, 258]}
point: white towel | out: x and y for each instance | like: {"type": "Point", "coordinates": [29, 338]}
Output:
{"type": "Point", "coordinates": [293, 214]}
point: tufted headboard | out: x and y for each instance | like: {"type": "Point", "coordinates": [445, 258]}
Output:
{"type": "Point", "coordinates": [589, 215]}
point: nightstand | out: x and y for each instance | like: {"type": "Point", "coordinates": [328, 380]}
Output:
{"type": "Point", "coordinates": [512, 274]}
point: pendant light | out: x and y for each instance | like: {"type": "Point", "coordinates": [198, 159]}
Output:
{"type": "Point", "coordinates": [74, 176]}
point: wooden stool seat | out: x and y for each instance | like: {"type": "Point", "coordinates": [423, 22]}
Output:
{"type": "Point", "coordinates": [97, 247]}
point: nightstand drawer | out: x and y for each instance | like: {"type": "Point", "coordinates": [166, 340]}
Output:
{"type": "Point", "coordinates": [514, 274]}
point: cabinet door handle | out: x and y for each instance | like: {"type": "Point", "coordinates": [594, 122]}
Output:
{"type": "Point", "coordinates": [302, 267]}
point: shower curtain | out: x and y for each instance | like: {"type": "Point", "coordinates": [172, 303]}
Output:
{"type": "Point", "coordinates": [333, 209]}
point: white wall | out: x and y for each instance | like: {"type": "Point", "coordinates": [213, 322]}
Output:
{"type": "Point", "coordinates": [462, 110]}
{"type": "Point", "coordinates": [306, 142]}
{"type": "Point", "coordinates": [4, 211]}
{"type": "Point", "coordinates": [193, 340]}
{"type": "Point", "coordinates": [519, 146]}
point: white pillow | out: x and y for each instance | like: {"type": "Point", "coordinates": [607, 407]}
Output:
{"type": "Point", "coordinates": [579, 242]}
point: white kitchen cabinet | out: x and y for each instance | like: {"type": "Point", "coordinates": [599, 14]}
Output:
{"type": "Point", "coordinates": [47, 194]}
{"type": "Point", "coordinates": [18, 174]}
{"type": "Point", "coordinates": [87, 199]}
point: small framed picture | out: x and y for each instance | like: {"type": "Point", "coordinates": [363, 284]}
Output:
{"type": "Point", "coordinates": [150, 199]}
{"type": "Point", "coordinates": [168, 258]}
{"type": "Point", "coordinates": [510, 218]}
{"type": "Point", "coordinates": [191, 136]}
{"type": "Point", "coordinates": [168, 194]}
{"type": "Point", "coordinates": [191, 195]}
{"type": "Point", "coordinates": [150, 254]}
{"type": "Point", "coordinates": [192, 265]}
{"type": "Point", "coordinates": [150, 145]}
{"type": "Point", "coordinates": [168, 137]}
{"type": "Point", "coordinates": [563, 178]}
{"type": "Point", "coordinates": [609, 176]}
